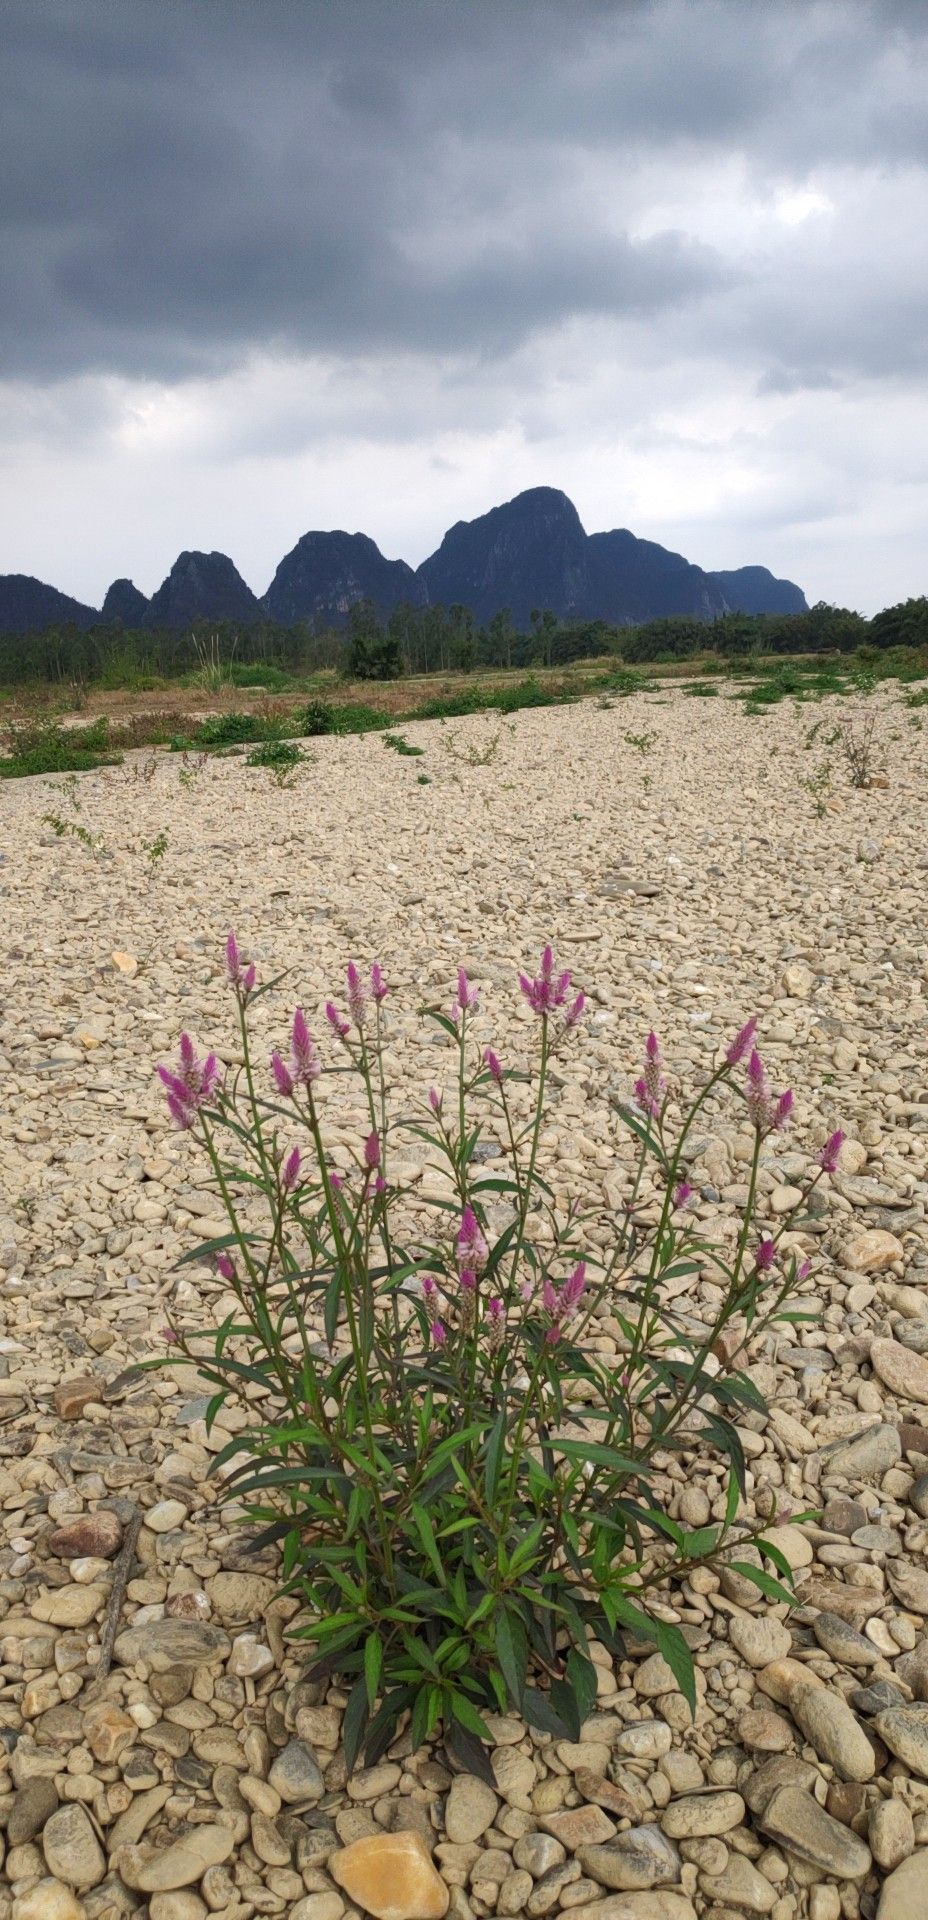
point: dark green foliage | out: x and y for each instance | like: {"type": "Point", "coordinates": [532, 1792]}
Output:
{"type": "Point", "coordinates": [46, 747]}
{"type": "Point", "coordinates": [276, 753]}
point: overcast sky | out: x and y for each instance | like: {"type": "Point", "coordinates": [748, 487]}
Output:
{"type": "Point", "coordinates": [270, 265]}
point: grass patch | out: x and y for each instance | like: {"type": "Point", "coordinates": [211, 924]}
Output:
{"type": "Point", "coordinates": [46, 747]}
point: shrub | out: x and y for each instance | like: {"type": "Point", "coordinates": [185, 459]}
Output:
{"type": "Point", "coordinates": [462, 1473]}
{"type": "Point", "coordinates": [45, 747]}
{"type": "Point", "coordinates": [276, 753]}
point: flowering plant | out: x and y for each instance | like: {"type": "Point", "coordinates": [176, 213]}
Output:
{"type": "Point", "coordinates": [461, 1403]}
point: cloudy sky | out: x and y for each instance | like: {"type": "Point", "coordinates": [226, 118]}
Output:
{"type": "Point", "coordinates": [271, 265]}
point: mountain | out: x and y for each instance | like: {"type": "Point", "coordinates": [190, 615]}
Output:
{"type": "Point", "coordinates": [29, 606]}
{"type": "Point", "coordinates": [532, 552]}
{"type": "Point", "coordinates": [757, 590]}
{"type": "Point", "coordinates": [325, 574]}
{"type": "Point", "coordinates": [636, 580]}
{"type": "Point", "coordinates": [124, 602]}
{"type": "Point", "coordinates": [201, 586]}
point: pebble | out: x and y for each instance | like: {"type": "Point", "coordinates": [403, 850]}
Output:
{"type": "Point", "coordinates": [296, 1776]}
{"type": "Point", "coordinates": [470, 1808]}
{"type": "Point", "coordinates": [904, 1730]}
{"type": "Point", "coordinates": [891, 1833]}
{"type": "Point", "coordinates": [392, 1877]}
{"type": "Point", "coordinates": [759, 1640]}
{"type": "Point", "coordinates": [902, 1896]}
{"type": "Point", "coordinates": [157, 1870]}
{"type": "Point", "coordinates": [71, 1848]}
{"type": "Point", "coordinates": [794, 1819]}
{"type": "Point", "coordinates": [834, 1732]}
{"type": "Point", "coordinates": [702, 1814]}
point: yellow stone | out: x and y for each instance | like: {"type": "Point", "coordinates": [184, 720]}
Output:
{"type": "Point", "coordinates": [392, 1877]}
{"type": "Point", "coordinates": [125, 963]}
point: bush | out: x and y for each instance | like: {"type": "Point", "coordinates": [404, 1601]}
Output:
{"type": "Point", "coordinates": [45, 747]}
{"type": "Point", "coordinates": [462, 1473]}
{"type": "Point", "coordinates": [276, 753]}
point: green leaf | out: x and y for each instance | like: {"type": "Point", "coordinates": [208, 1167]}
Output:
{"type": "Point", "coordinates": [764, 1581]}
{"type": "Point", "coordinates": [512, 1652]}
{"type": "Point", "coordinates": [465, 1713]}
{"type": "Point", "coordinates": [426, 1533]}
{"type": "Point", "coordinates": [470, 1753]}
{"type": "Point", "coordinates": [354, 1724]}
{"type": "Point", "coordinates": [539, 1712]}
{"type": "Point", "coordinates": [582, 1676]}
{"type": "Point", "coordinates": [778, 1558]}
{"type": "Point", "coordinates": [373, 1666]}
{"type": "Point", "coordinates": [494, 1456]}
{"type": "Point", "coordinates": [673, 1647]}
{"type": "Point", "coordinates": [600, 1455]}
{"type": "Point", "coordinates": [333, 1296]}
{"type": "Point", "coordinates": [565, 1703]}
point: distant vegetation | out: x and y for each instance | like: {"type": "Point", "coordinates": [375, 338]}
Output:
{"type": "Point", "coordinates": [425, 640]}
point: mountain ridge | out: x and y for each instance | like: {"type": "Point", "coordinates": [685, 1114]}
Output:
{"type": "Point", "coordinates": [526, 553]}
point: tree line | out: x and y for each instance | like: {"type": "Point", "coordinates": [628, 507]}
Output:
{"type": "Point", "coordinates": [425, 640]}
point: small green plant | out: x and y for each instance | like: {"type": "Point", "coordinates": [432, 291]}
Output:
{"type": "Point", "coordinates": [191, 768]}
{"type": "Point", "coordinates": [858, 743]}
{"type": "Point", "coordinates": [818, 786]}
{"type": "Point", "coordinates": [45, 747]}
{"type": "Point", "coordinates": [422, 780]}
{"type": "Point", "coordinates": [641, 742]}
{"type": "Point", "coordinates": [155, 850]}
{"type": "Point", "coordinates": [74, 830]}
{"type": "Point", "coordinates": [283, 759]}
{"type": "Point", "coordinates": [472, 751]}
{"type": "Point", "coordinates": [701, 690]}
{"type": "Point", "coordinates": [398, 745]}
{"type": "Point", "coordinates": [213, 673]}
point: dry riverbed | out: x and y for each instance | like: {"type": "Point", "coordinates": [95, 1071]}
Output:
{"type": "Point", "coordinates": [687, 885]}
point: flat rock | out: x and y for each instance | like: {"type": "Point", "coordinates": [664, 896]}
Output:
{"type": "Point", "coordinates": [72, 1606]}
{"type": "Point", "coordinates": [904, 1730]}
{"type": "Point", "coordinates": [295, 1774]}
{"type": "Point", "coordinates": [843, 1642]}
{"type": "Point", "coordinates": [759, 1640]}
{"type": "Point", "coordinates": [701, 1815]}
{"type": "Point", "coordinates": [149, 1869]}
{"type": "Point", "coordinates": [164, 1644]}
{"type": "Point", "coordinates": [741, 1885]}
{"type": "Point", "coordinates": [854, 1604]}
{"type": "Point", "coordinates": [891, 1833]}
{"type": "Point", "coordinates": [903, 1894]}
{"type": "Point", "coordinates": [72, 1396]}
{"type": "Point", "coordinates": [391, 1876]}
{"type": "Point", "coordinates": [865, 1457]}
{"type": "Point", "coordinates": [579, 1827]}
{"type": "Point", "coordinates": [834, 1732]}
{"type": "Point", "coordinates": [49, 1900]}
{"type": "Point", "coordinates": [663, 1903]}
{"type": "Point", "coordinates": [471, 1807]}
{"type": "Point", "coordinates": [96, 1536]}
{"type": "Point", "coordinates": [794, 1819]}
{"type": "Point", "coordinates": [905, 1373]}
{"type": "Point", "coordinates": [639, 1858]}
{"type": "Point", "coordinates": [71, 1848]}
{"type": "Point", "coordinates": [31, 1806]}
{"type": "Point", "coordinates": [873, 1251]}
{"type": "Point", "coordinates": [910, 1586]}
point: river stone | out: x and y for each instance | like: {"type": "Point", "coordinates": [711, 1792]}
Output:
{"type": "Point", "coordinates": [903, 1895]}
{"type": "Point", "coordinates": [904, 1730]}
{"type": "Point", "coordinates": [71, 1848]}
{"type": "Point", "coordinates": [72, 1606]}
{"type": "Point", "coordinates": [795, 1821]}
{"type": "Point", "coordinates": [164, 1644]}
{"type": "Point", "coordinates": [910, 1586]}
{"type": "Point", "coordinates": [391, 1876]}
{"type": "Point", "coordinates": [919, 1495]}
{"type": "Point", "coordinates": [148, 1869]}
{"type": "Point", "coordinates": [760, 1640]}
{"type": "Point", "coordinates": [640, 1857]}
{"type": "Point", "coordinates": [905, 1373]}
{"type": "Point", "coordinates": [701, 1815]}
{"type": "Point", "coordinates": [579, 1827]}
{"type": "Point", "coordinates": [834, 1732]}
{"type": "Point", "coordinates": [865, 1457]}
{"type": "Point", "coordinates": [31, 1806]}
{"type": "Point", "coordinates": [96, 1536]}
{"type": "Point", "coordinates": [470, 1808]}
{"type": "Point", "coordinates": [295, 1774]}
{"type": "Point", "coordinates": [49, 1900]}
{"type": "Point", "coordinates": [843, 1642]}
{"type": "Point", "coordinates": [739, 1885]}
{"type": "Point", "coordinates": [240, 1598]}
{"type": "Point", "coordinates": [872, 1251]}
{"type": "Point", "coordinates": [891, 1834]}
{"type": "Point", "coordinates": [662, 1903]}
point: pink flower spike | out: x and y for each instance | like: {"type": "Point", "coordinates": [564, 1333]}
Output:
{"type": "Point", "coordinates": [545, 994]}
{"type": "Point", "coordinates": [304, 1060]}
{"type": "Point", "coordinates": [831, 1153]}
{"type": "Point", "coordinates": [439, 1333]}
{"type": "Point", "coordinates": [468, 999]}
{"type": "Point", "coordinates": [380, 1185]}
{"type": "Point", "coordinates": [357, 997]}
{"type": "Point", "coordinates": [379, 988]}
{"type": "Point", "coordinates": [492, 1065]}
{"type": "Point", "coordinates": [573, 1288]}
{"type": "Point", "coordinates": [683, 1193]}
{"type": "Point", "coordinates": [573, 1012]}
{"type": "Point", "coordinates": [468, 1281]}
{"type": "Point", "coordinates": [225, 1266]}
{"type": "Point", "coordinates": [249, 977]}
{"type": "Point", "coordinates": [652, 1048]}
{"type": "Point", "coordinates": [182, 1116]}
{"type": "Point", "coordinates": [783, 1110]}
{"type": "Point", "coordinates": [741, 1042]}
{"type": "Point", "coordinates": [233, 963]}
{"type": "Point", "coordinates": [434, 1099]}
{"type": "Point", "coordinates": [470, 1246]}
{"type": "Point", "coordinates": [494, 1309]}
{"type": "Point", "coordinates": [169, 1337]}
{"type": "Point", "coordinates": [283, 1078]}
{"type": "Point", "coordinates": [765, 1255]}
{"type": "Point", "coordinates": [291, 1170]}
{"type": "Point", "coordinates": [803, 1270]}
{"type": "Point", "coordinates": [372, 1151]}
{"type": "Point", "coordinates": [549, 1297]}
{"type": "Point", "coordinates": [337, 1021]}
{"type": "Point", "coordinates": [553, 1335]}
{"type": "Point", "coordinates": [191, 1084]}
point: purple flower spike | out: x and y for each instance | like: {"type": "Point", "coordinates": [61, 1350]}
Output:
{"type": "Point", "coordinates": [379, 988]}
{"type": "Point", "coordinates": [549, 1296]}
{"type": "Point", "coordinates": [357, 995]}
{"type": "Point", "coordinates": [169, 1337]}
{"type": "Point", "coordinates": [468, 1281]}
{"type": "Point", "coordinates": [439, 1333]}
{"type": "Point", "coordinates": [683, 1194]}
{"type": "Point", "coordinates": [783, 1110]}
{"type": "Point", "coordinates": [575, 1010]}
{"type": "Point", "coordinates": [283, 1078]}
{"type": "Point", "coordinates": [545, 994]}
{"type": "Point", "coordinates": [741, 1042]}
{"type": "Point", "coordinates": [372, 1151]}
{"type": "Point", "coordinates": [304, 1060]}
{"type": "Point", "coordinates": [434, 1099]}
{"type": "Point", "coordinates": [470, 1246]}
{"type": "Point", "coordinates": [337, 1021]}
{"type": "Point", "coordinates": [573, 1287]}
{"type": "Point", "coordinates": [492, 1065]}
{"type": "Point", "coordinates": [803, 1270]}
{"type": "Point", "coordinates": [765, 1255]}
{"type": "Point", "coordinates": [291, 1170]}
{"type": "Point", "coordinates": [191, 1084]}
{"type": "Point", "coordinates": [225, 1266]}
{"type": "Point", "coordinates": [831, 1153]}
{"type": "Point", "coordinates": [233, 963]}
{"type": "Point", "coordinates": [468, 999]}
{"type": "Point", "coordinates": [249, 977]}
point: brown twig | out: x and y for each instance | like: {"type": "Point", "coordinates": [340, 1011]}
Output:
{"type": "Point", "coordinates": [121, 1571]}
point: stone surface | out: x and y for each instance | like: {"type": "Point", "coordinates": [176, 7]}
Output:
{"type": "Point", "coordinates": [391, 1876]}
{"type": "Point", "coordinates": [71, 1848]}
{"type": "Point", "coordinates": [160, 1869]}
{"type": "Point", "coordinates": [873, 1250]}
{"type": "Point", "coordinates": [834, 1732]}
{"type": "Point", "coordinates": [49, 1900]}
{"type": "Point", "coordinates": [905, 1373]}
{"type": "Point", "coordinates": [759, 1640]}
{"type": "Point", "coordinates": [639, 1857]}
{"type": "Point", "coordinates": [98, 1535]}
{"type": "Point", "coordinates": [72, 1396]}
{"type": "Point", "coordinates": [469, 1809]}
{"type": "Point", "coordinates": [891, 1833]}
{"type": "Point", "coordinates": [165, 1644]}
{"type": "Point", "coordinates": [794, 1819]}
{"type": "Point", "coordinates": [702, 1814]}
{"type": "Point", "coordinates": [296, 1776]}
{"type": "Point", "coordinates": [904, 1730]}
{"type": "Point", "coordinates": [903, 1894]}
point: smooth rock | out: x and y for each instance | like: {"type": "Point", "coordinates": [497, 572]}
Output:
{"type": "Point", "coordinates": [843, 1642]}
{"type": "Point", "coordinates": [663, 1903]}
{"type": "Point", "coordinates": [295, 1774]}
{"type": "Point", "coordinates": [29, 1809]}
{"type": "Point", "coordinates": [903, 1894]}
{"type": "Point", "coordinates": [739, 1885]}
{"type": "Point", "coordinates": [865, 1457]}
{"type": "Point", "coordinates": [640, 1857]}
{"type": "Point", "coordinates": [95, 1535]}
{"type": "Point", "coordinates": [872, 1251]}
{"type": "Point", "coordinates": [72, 1606]}
{"type": "Point", "coordinates": [72, 1396]}
{"type": "Point", "coordinates": [579, 1827]}
{"type": "Point", "coordinates": [165, 1516]}
{"type": "Point", "coordinates": [910, 1586]}
{"type": "Point", "coordinates": [759, 1640]}
{"type": "Point", "coordinates": [49, 1900]}
{"type": "Point", "coordinates": [905, 1373]}
{"type": "Point", "coordinates": [891, 1833]}
{"type": "Point", "coordinates": [164, 1644]}
{"type": "Point", "coordinates": [391, 1876]}
{"type": "Point", "coordinates": [831, 1728]}
{"type": "Point", "coordinates": [699, 1815]}
{"type": "Point", "coordinates": [158, 1870]}
{"type": "Point", "coordinates": [794, 1819]}
{"type": "Point", "coordinates": [471, 1807]}
{"type": "Point", "coordinates": [71, 1848]}
{"type": "Point", "coordinates": [904, 1730]}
